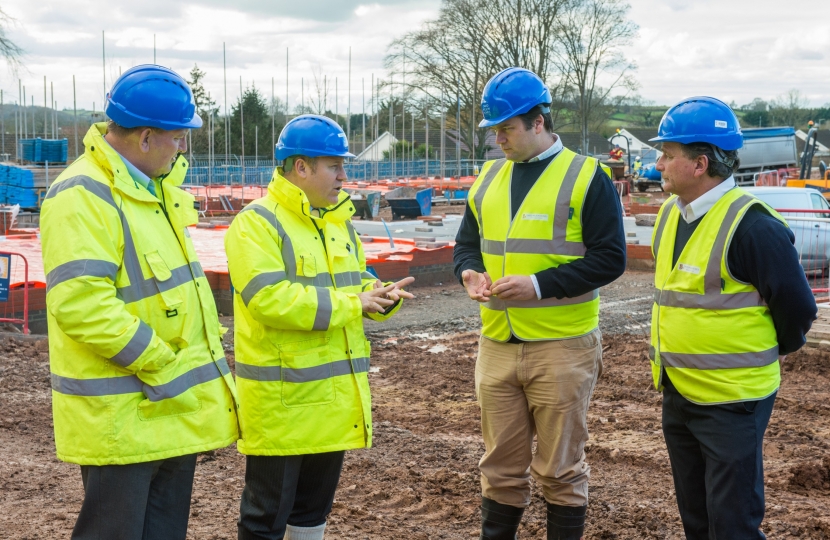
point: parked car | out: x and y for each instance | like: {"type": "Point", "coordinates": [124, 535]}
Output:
{"type": "Point", "coordinates": [811, 229]}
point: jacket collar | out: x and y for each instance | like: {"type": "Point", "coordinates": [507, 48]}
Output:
{"type": "Point", "coordinates": [102, 154]}
{"type": "Point", "coordinates": [294, 199]}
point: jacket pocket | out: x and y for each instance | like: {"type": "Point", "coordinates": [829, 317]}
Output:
{"type": "Point", "coordinates": [167, 392]}
{"type": "Point", "coordinates": [166, 281]}
{"type": "Point", "coordinates": [307, 266]}
{"type": "Point", "coordinates": [306, 373]}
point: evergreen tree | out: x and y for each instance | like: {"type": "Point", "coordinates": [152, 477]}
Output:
{"type": "Point", "coordinates": [254, 110]}
{"type": "Point", "coordinates": [205, 106]}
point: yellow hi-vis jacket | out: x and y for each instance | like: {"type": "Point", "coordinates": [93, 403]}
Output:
{"type": "Point", "coordinates": [138, 370]}
{"type": "Point", "coordinates": [541, 235]}
{"type": "Point", "coordinates": [302, 359]}
{"type": "Point", "coordinates": [713, 334]}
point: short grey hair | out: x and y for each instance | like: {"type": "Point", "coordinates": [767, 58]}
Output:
{"type": "Point", "coordinates": [722, 163]}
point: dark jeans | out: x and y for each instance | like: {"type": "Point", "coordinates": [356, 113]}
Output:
{"type": "Point", "coordinates": [716, 455]}
{"type": "Point", "coordinates": [140, 501]}
{"type": "Point", "coordinates": [287, 490]}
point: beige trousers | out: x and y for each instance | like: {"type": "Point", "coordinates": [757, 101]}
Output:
{"type": "Point", "coordinates": [540, 388]}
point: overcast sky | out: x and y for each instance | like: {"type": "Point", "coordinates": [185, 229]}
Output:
{"type": "Point", "coordinates": [735, 50]}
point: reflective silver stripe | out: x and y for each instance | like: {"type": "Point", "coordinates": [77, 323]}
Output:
{"type": "Point", "coordinates": [264, 213]}
{"type": "Point", "coordinates": [709, 301]}
{"type": "Point", "coordinates": [563, 212]}
{"type": "Point", "coordinates": [183, 383]}
{"type": "Point", "coordinates": [81, 268]}
{"type": "Point", "coordinates": [652, 352]}
{"type": "Point", "coordinates": [558, 244]}
{"type": "Point", "coordinates": [544, 247]}
{"type": "Point", "coordinates": [222, 364]}
{"type": "Point", "coordinates": [713, 280]}
{"type": "Point", "coordinates": [196, 269]}
{"type": "Point", "coordinates": [478, 199]}
{"type": "Point", "coordinates": [108, 386]}
{"type": "Point", "coordinates": [497, 304]}
{"type": "Point", "coordinates": [720, 360]}
{"type": "Point", "coordinates": [136, 346]}
{"type": "Point", "coordinates": [131, 384]}
{"type": "Point", "coordinates": [288, 257]}
{"type": "Point", "coordinates": [353, 237]}
{"type": "Point", "coordinates": [139, 288]}
{"type": "Point", "coordinates": [492, 247]}
{"type": "Point", "coordinates": [103, 191]}
{"type": "Point", "coordinates": [259, 282]}
{"type": "Point", "coordinates": [368, 275]}
{"type": "Point", "coordinates": [302, 375]}
{"type": "Point", "coordinates": [714, 298]}
{"type": "Point", "coordinates": [347, 279]}
{"type": "Point", "coordinates": [147, 288]}
{"type": "Point", "coordinates": [658, 235]}
{"type": "Point", "coordinates": [322, 318]}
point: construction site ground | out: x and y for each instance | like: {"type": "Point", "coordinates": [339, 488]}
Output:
{"type": "Point", "coordinates": [420, 480]}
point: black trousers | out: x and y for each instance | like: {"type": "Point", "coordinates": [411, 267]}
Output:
{"type": "Point", "coordinates": [716, 455]}
{"type": "Point", "coordinates": [140, 501]}
{"type": "Point", "coordinates": [287, 490]}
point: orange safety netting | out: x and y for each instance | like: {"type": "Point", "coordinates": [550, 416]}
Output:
{"type": "Point", "coordinates": [209, 245]}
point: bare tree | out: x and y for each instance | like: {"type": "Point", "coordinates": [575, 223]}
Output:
{"type": "Point", "coordinates": [318, 97]}
{"type": "Point", "coordinates": [9, 50]}
{"type": "Point", "coordinates": [789, 108]}
{"type": "Point", "coordinates": [591, 34]}
{"type": "Point", "coordinates": [468, 43]}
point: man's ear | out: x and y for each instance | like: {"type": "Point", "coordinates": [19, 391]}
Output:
{"type": "Point", "coordinates": [701, 165]}
{"type": "Point", "coordinates": [144, 140]}
{"type": "Point", "coordinates": [301, 168]}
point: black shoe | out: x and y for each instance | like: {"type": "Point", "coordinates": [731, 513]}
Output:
{"type": "Point", "coordinates": [566, 522]}
{"type": "Point", "coordinates": [499, 521]}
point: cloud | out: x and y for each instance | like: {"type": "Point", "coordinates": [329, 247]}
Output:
{"type": "Point", "coordinates": [749, 49]}
{"type": "Point", "coordinates": [744, 49]}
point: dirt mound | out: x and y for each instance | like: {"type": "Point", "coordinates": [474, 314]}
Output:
{"type": "Point", "coordinates": [814, 475]}
{"type": "Point", "coordinates": [420, 480]}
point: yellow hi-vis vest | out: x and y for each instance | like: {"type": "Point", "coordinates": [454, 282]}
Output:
{"type": "Point", "coordinates": [546, 232]}
{"type": "Point", "coordinates": [135, 349]}
{"type": "Point", "coordinates": [302, 359]}
{"type": "Point", "coordinates": [713, 334]}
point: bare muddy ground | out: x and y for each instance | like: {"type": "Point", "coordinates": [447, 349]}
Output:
{"type": "Point", "coordinates": [420, 480]}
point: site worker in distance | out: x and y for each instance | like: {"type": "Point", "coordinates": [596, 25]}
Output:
{"type": "Point", "coordinates": [730, 301]}
{"type": "Point", "coordinates": [140, 384]}
{"type": "Point", "coordinates": [541, 234]}
{"type": "Point", "coordinates": [301, 291]}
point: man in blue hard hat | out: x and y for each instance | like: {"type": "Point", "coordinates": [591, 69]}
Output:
{"type": "Point", "coordinates": [731, 301]}
{"type": "Point", "coordinates": [140, 384]}
{"type": "Point", "coordinates": [301, 291]}
{"type": "Point", "coordinates": [541, 234]}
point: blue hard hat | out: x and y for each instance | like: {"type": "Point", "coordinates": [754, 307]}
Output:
{"type": "Point", "coordinates": [701, 120]}
{"type": "Point", "coordinates": [312, 136]}
{"type": "Point", "coordinates": [154, 96]}
{"type": "Point", "coordinates": [511, 92]}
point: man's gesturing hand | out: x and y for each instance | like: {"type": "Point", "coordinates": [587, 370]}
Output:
{"type": "Point", "coordinates": [380, 297]}
{"type": "Point", "coordinates": [477, 285]}
{"type": "Point", "coordinates": [514, 288]}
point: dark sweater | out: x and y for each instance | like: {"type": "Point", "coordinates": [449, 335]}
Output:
{"type": "Point", "coordinates": [762, 253]}
{"type": "Point", "coordinates": [602, 234]}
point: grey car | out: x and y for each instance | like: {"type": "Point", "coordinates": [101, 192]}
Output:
{"type": "Point", "coordinates": [811, 229]}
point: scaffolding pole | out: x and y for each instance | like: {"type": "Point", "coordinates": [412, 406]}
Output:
{"type": "Point", "coordinates": [75, 114]}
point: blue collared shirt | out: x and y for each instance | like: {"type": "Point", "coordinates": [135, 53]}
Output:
{"type": "Point", "coordinates": [138, 176]}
